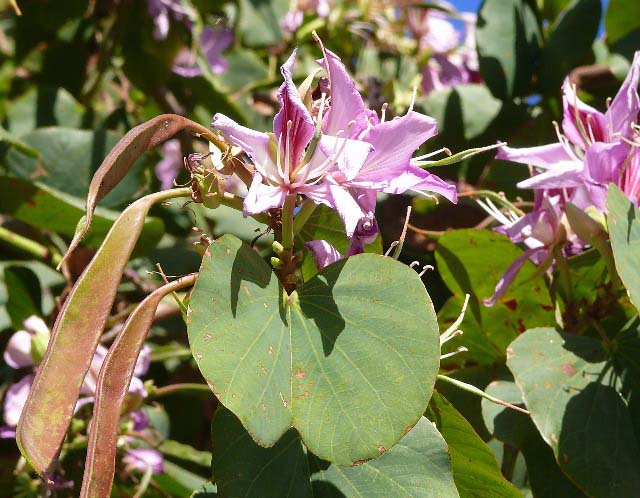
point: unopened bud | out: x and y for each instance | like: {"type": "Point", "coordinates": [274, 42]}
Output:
{"type": "Point", "coordinates": [583, 224]}
{"type": "Point", "coordinates": [276, 263]}
{"type": "Point", "coordinates": [39, 342]}
{"type": "Point", "coordinates": [277, 247]}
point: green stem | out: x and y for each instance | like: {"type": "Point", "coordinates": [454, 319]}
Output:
{"type": "Point", "coordinates": [306, 210]}
{"type": "Point", "coordinates": [479, 392]}
{"type": "Point", "coordinates": [186, 388]}
{"type": "Point", "coordinates": [27, 245]}
{"type": "Point", "coordinates": [287, 221]}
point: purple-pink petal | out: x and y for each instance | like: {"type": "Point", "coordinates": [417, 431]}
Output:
{"type": "Point", "coordinates": [261, 197]}
{"type": "Point", "coordinates": [509, 275]}
{"type": "Point", "coordinates": [143, 458]}
{"type": "Point", "coordinates": [625, 106]}
{"type": "Point", "coordinates": [568, 174]}
{"type": "Point", "coordinates": [415, 178]}
{"type": "Point", "coordinates": [293, 110]}
{"type": "Point", "coordinates": [15, 398]}
{"type": "Point", "coordinates": [170, 165]}
{"type": "Point", "coordinates": [544, 156]}
{"type": "Point", "coordinates": [347, 115]}
{"type": "Point", "coordinates": [580, 118]}
{"type": "Point", "coordinates": [323, 253]}
{"type": "Point", "coordinates": [338, 198]}
{"type": "Point", "coordinates": [185, 64]}
{"type": "Point", "coordinates": [254, 143]}
{"type": "Point", "coordinates": [394, 143]}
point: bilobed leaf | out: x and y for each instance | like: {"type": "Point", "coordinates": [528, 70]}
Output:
{"type": "Point", "coordinates": [624, 231]}
{"type": "Point", "coordinates": [242, 468]}
{"type": "Point", "coordinates": [565, 384]}
{"type": "Point", "coordinates": [472, 261]}
{"type": "Point", "coordinates": [475, 469]}
{"type": "Point", "coordinates": [322, 358]}
{"type": "Point", "coordinates": [508, 39]}
{"type": "Point", "coordinates": [45, 208]}
{"type": "Point", "coordinates": [112, 387]}
{"type": "Point", "coordinates": [517, 429]}
{"type": "Point", "coordinates": [74, 338]}
{"type": "Point", "coordinates": [569, 43]}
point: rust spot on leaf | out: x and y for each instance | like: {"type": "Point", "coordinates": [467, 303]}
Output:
{"type": "Point", "coordinates": [246, 290]}
{"type": "Point", "coordinates": [547, 307]}
{"type": "Point", "coordinates": [565, 457]}
{"type": "Point", "coordinates": [407, 429]}
{"type": "Point", "coordinates": [537, 289]}
{"type": "Point", "coordinates": [270, 349]}
{"type": "Point", "coordinates": [300, 374]}
{"type": "Point", "coordinates": [303, 395]}
{"type": "Point", "coordinates": [228, 251]}
{"type": "Point", "coordinates": [512, 304]}
{"type": "Point", "coordinates": [208, 337]}
{"type": "Point", "coordinates": [360, 462]}
{"type": "Point", "coordinates": [568, 369]}
{"type": "Point", "coordinates": [521, 325]}
{"type": "Point", "coordinates": [199, 356]}
{"type": "Point", "coordinates": [547, 385]}
{"type": "Point", "coordinates": [473, 242]}
{"type": "Point", "coordinates": [264, 407]}
{"type": "Point", "coordinates": [381, 449]}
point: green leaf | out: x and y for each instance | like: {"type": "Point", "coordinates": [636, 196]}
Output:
{"type": "Point", "coordinates": [17, 144]}
{"type": "Point", "coordinates": [488, 331]}
{"type": "Point", "coordinates": [45, 208]}
{"type": "Point", "coordinates": [178, 482]}
{"type": "Point", "coordinates": [44, 106]}
{"type": "Point", "coordinates": [518, 430]}
{"type": "Point", "coordinates": [418, 466]}
{"type": "Point", "coordinates": [185, 452]}
{"type": "Point", "coordinates": [569, 43]}
{"type": "Point", "coordinates": [259, 22]}
{"type": "Point", "coordinates": [68, 159]}
{"type": "Point", "coordinates": [207, 490]}
{"type": "Point", "coordinates": [565, 383]}
{"type": "Point", "coordinates": [243, 468]}
{"type": "Point", "coordinates": [624, 230]}
{"type": "Point", "coordinates": [475, 469]}
{"type": "Point", "coordinates": [508, 40]}
{"type": "Point", "coordinates": [622, 17]}
{"type": "Point", "coordinates": [314, 359]}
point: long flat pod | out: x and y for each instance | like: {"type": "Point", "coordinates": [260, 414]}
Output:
{"type": "Point", "coordinates": [113, 383]}
{"type": "Point", "coordinates": [124, 155]}
{"type": "Point", "coordinates": [56, 387]}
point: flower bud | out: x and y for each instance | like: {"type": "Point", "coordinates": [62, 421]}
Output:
{"type": "Point", "coordinates": [584, 225]}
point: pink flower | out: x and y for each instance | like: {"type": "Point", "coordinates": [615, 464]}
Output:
{"type": "Point", "coordinates": [142, 459]}
{"type": "Point", "coordinates": [541, 230]}
{"type": "Point", "coordinates": [292, 20]}
{"type": "Point", "coordinates": [168, 168]}
{"type": "Point", "coordinates": [212, 43]}
{"type": "Point", "coordinates": [595, 149]}
{"type": "Point", "coordinates": [161, 11]}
